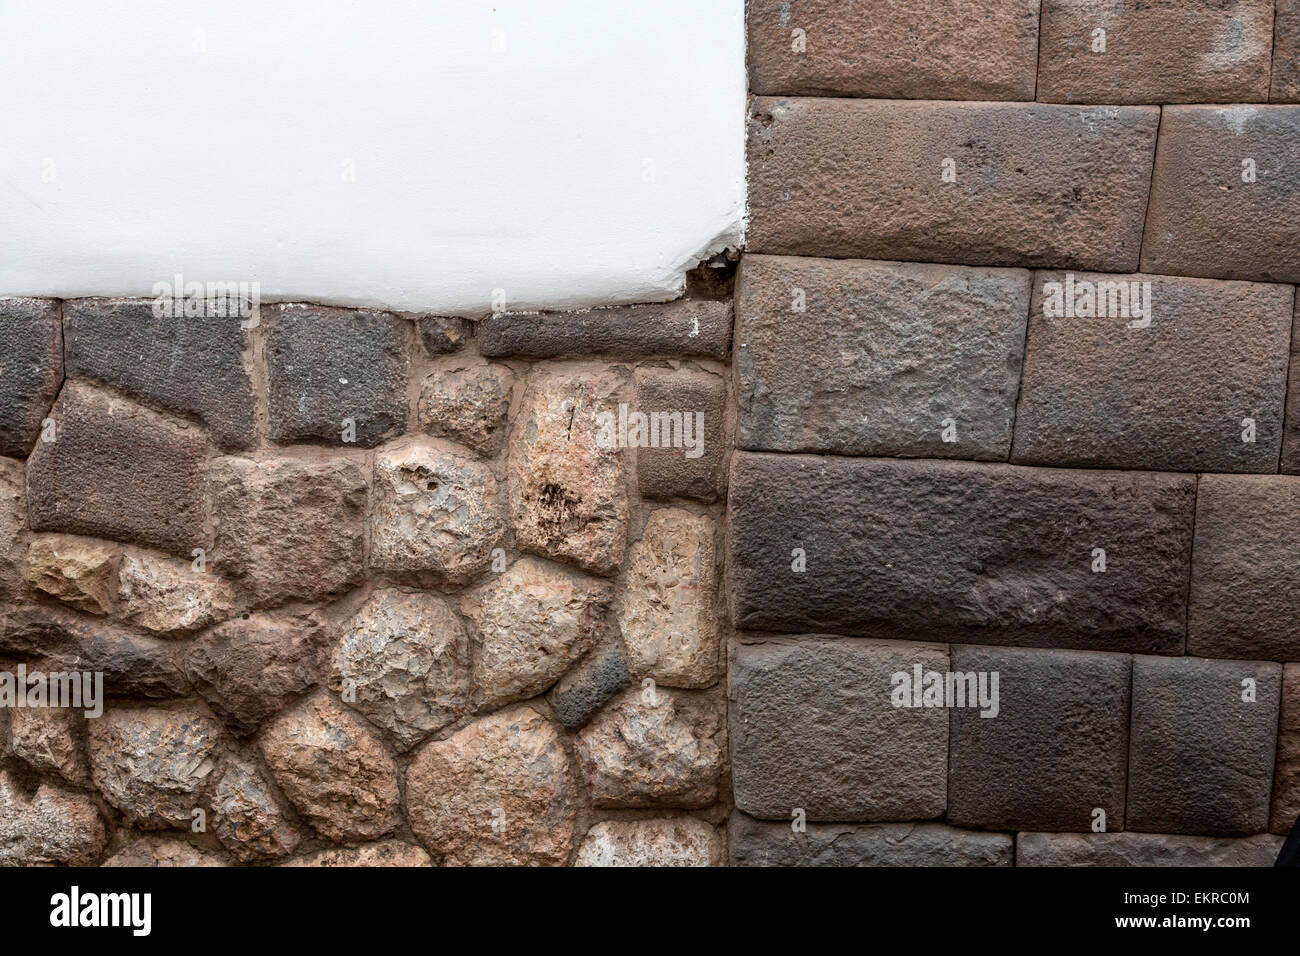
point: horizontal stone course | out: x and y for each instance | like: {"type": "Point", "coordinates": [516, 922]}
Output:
{"type": "Point", "coordinates": [1143, 849]}
{"type": "Point", "coordinates": [683, 328]}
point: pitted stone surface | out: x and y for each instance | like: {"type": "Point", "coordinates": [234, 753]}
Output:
{"type": "Point", "coordinates": [683, 841]}
{"type": "Point", "coordinates": [468, 404]}
{"type": "Point", "coordinates": [13, 525]}
{"type": "Point", "coordinates": [31, 370]}
{"type": "Point", "coordinates": [246, 816]}
{"type": "Point", "coordinates": [1143, 849]}
{"type": "Point", "coordinates": [157, 850]}
{"type": "Point", "coordinates": [51, 740]}
{"type": "Point", "coordinates": [686, 327]}
{"type": "Point", "coordinates": [689, 462]}
{"type": "Point", "coordinates": [382, 853]}
{"type": "Point", "coordinates": [584, 690]}
{"type": "Point", "coordinates": [168, 597]}
{"type": "Point", "coordinates": [80, 572]}
{"type": "Point", "coordinates": [52, 826]}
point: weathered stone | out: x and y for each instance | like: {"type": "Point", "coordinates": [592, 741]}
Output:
{"type": "Point", "coordinates": [31, 370]}
{"type": "Point", "coordinates": [168, 597]}
{"type": "Point", "coordinates": [1143, 849]}
{"type": "Point", "coordinates": [1036, 185]}
{"type": "Point", "coordinates": [1289, 463]}
{"type": "Point", "coordinates": [152, 850]}
{"type": "Point", "coordinates": [117, 470]}
{"type": "Point", "coordinates": [568, 496]}
{"type": "Point", "coordinates": [652, 748]}
{"type": "Point", "coordinates": [53, 825]}
{"type": "Point", "coordinates": [1201, 755]}
{"type": "Point", "coordinates": [333, 770]}
{"type": "Point", "coordinates": [403, 662]}
{"type": "Point", "coordinates": [945, 50]}
{"type": "Point", "coordinates": [151, 763]}
{"type": "Point", "coordinates": [50, 740]}
{"type": "Point", "coordinates": [469, 405]}
{"type": "Point", "coordinates": [443, 335]}
{"type": "Point", "coordinates": [532, 624]}
{"type": "Point", "coordinates": [1057, 727]}
{"type": "Point", "coordinates": [669, 618]}
{"type": "Point", "coordinates": [289, 530]}
{"type": "Point", "coordinates": [250, 668]}
{"type": "Point", "coordinates": [757, 843]}
{"type": "Point", "coordinates": [1174, 395]}
{"type": "Point", "coordinates": [687, 415]}
{"type": "Point", "coordinates": [906, 355]}
{"type": "Point", "coordinates": [246, 816]}
{"type": "Point", "coordinates": [383, 853]}
{"type": "Point", "coordinates": [500, 792]}
{"type": "Point", "coordinates": [1204, 219]}
{"type": "Point", "coordinates": [13, 524]}
{"type": "Point", "coordinates": [337, 376]}
{"type": "Point", "coordinates": [1167, 51]}
{"type": "Point", "coordinates": [76, 571]}
{"type": "Point", "coordinates": [432, 510]}
{"type": "Point", "coordinates": [191, 365]}
{"type": "Point", "coordinates": [1284, 86]}
{"type": "Point", "coordinates": [584, 690]}
{"type": "Point", "coordinates": [812, 727]}
{"type": "Point", "coordinates": [1245, 596]}
{"type": "Point", "coordinates": [683, 841]}
{"type": "Point", "coordinates": [1286, 776]}
{"type": "Point", "coordinates": [973, 553]}
{"type": "Point", "coordinates": [684, 328]}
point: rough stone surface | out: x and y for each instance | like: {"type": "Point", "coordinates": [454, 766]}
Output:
{"type": "Point", "coordinates": [700, 399]}
{"type": "Point", "coordinates": [531, 625]}
{"type": "Point", "coordinates": [1290, 460]}
{"type": "Point", "coordinates": [13, 524]}
{"type": "Point", "coordinates": [1172, 396]}
{"type": "Point", "coordinates": [669, 617]}
{"type": "Point", "coordinates": [1286, 779]}
{"type": "Point", "coordinates": [382, 853]}
{"type": "Point", "coordinates": [1201, 758]}
{"type": "Point", "coordinates": [568, 495]}
{"type": "Point", "coordinates": [334, 770]}
{"type": "Point", "coordinates": [758, 843]}
{"type": "Point", "coordinates": [659, 752]}
{"type": "Point", "coordinates": [1203, 219]}
{"type": "Point", "coordinates": [812, 727]}
{"type": "Point", "coordinates": [443, 335]}
{"type": "Point", "coordinates": [168, 597]}
{"type": "Point", "coordinates": [403, 662]}
{"type": "Point", "coordinates": [584, 690]}
{"type": "Point", "coordinates": [50, 739]}
{"type": "Point", "coordinates": [53, 825]}
{"type": "Point", "coordinates": [945, 50]}
{"type": "Point", "coordinates": [1245, 598]}
{"type": "Point", "coordinates": [31, 370]}
{"type": "Point", "coordinates": [1036, 185]}
{"type": "Point", "coordinates": [432, 510]}
{"type": "Point", "coordinates": [250, 668]}
{"type": "Point", "coordinates": [156, 850]}
{"type": "Point", "coordinates": [330, 366]}
{"type": "Point", "coordinates": [1143, 849]}
{"type": "Point", "coordinates": [500, 792]}
{"type": "Point", "coordinates": [246, 816]}
{"type": "Point", "coordinates": [469, 405]}
{"type": "Point", "coordinates": [151, 763]}
{"type": "Point", "coordinates": [1167, 51]}
{"type": "Point", "coordinates": [81, 573]}
{"type": "Point", "coordinates": [289, 530]}
{"type": "Point", "coordinates": [899, 349]}
{"type": "Point", "coordinates": [190, 365]}
{"type": "Point", "coordinates": [971, 552]}
{"type": "Point", "coordinates": [684, 841]}
{"type": "Point", "coordinates": [1285, 83]}
{"type": "Point", "coordinates": [117, 470]}
{"type": "Point", "coordinates": [1060, 733]}
{"type": "Point", "coordinates": [684, 328]}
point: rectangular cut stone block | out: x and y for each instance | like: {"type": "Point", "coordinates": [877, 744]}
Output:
{"type": "Point", "coordinates": [1055, 749]}
{"type": "Point", "coordinates": [31, 370]}
{"type": "Point", "coordinates": [812, 727]}
{"type": "Point", "coordinates": [1178, 389]}
{"type": "Point", "coordinates": [984, 554]}
{"type": "Point", "coordinates": [939, 50]}
{"type": "Point", "coordinates": [191, 365]}
{"type": "Point", "coordinates": [1245, 599]}
{"type": "Point", "coordinates": [1285, 83]}
{"type": "Point", "coordinates": [878, 358]}
{"type": "Point", "coordinates": [1225, 194]}
{"type": "Point", "coordinates": [1155, 51]}
{"type": "Point", "coordinates": [677, 399]}
{"type": "Point", "coordinates": [686, 327]}
{"type": "Point", "coordinates": [1143, 849]}
{"type": "Point", "coordinates": [1013, 184]}
{"type": "Point", "coordinates": [1286, 779]}
{"type": "Point", "coordinates": [1201, 757]}
{"type": "Point", "coordinates": [760, 843]}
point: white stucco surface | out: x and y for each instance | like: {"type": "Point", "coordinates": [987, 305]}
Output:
{"type": "Point", "coordinates": [415, 154]}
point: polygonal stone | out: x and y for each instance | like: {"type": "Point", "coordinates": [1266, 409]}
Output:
{"type": "Point", "coordinates": [117, 470]}
{"type": "Point", "coordinates": [568, 494]}
{"type": "Point", "coordinates": [1286, 775]}
{"type": "Point", "coordinates": [687, 415]}
{"type": "Point", "coordinates": [432, 510]}
{"type": "Point", "coordinates": [500, 792]}
{"type": "Point", "coordinates": [652, 748]}
{"type": "Point", "coordinates": [79, 572]}
{"type": "Point", "coordinates": [382, 853]}
{"type": "Point", "coordinates": [52, 826]}
{"type": "Point", "coordinates": [246, 816]}
{"type": "Point", "coordinates": [13, 523]}
{"type": "Point", "coordinates": [50, 739]}
{"type": "Point", "coordinates": [683, 841]}
{"type": "Point", "coordinates": [443, 335]}
{"type": "Point", "coordinates": [403, 662]}
{"type": "Point", "coordinates": [333, 769]}
{"type": "Point", "coordinates": [151, 762]}
{"type": "Point", "coordinates": [151, 850]}
{"type": "Point", "coordinates": [31, 370]}
{"type": "Point", "coordinates": [585, 689]}
{"type": "Point", "coordinates": [288, 529]}
{"type": "Point", "coordinates": [168, 597]}
{"type": "Point", "coordinates": [468, 404]}
{"type": "Point", "coordinates": [686, 327]}
{"type": "Point", "coordinates": [1143, 849]}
